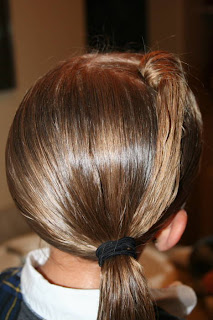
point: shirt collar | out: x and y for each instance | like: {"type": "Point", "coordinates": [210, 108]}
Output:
{"type": "Point", "coordinates": [54, 302]}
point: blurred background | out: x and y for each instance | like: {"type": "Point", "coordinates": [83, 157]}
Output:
{"type": "Point", "coordinates": [35, 35]}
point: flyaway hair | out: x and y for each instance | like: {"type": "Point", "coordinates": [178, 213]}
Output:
{"type": "Point", "coordinates": [102, 147]}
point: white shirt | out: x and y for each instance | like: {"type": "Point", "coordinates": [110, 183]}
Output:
{"type": "Point", "coordinates": [53, 302]}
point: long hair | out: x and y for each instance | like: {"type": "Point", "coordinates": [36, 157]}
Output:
{"type": "Point", "coordinates": [102, 147]}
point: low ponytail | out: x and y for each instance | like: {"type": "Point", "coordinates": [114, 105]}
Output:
{"type": "Point", "coordinates": [106, 146]}
{"type": "Point", "coordinates": [123, 291]}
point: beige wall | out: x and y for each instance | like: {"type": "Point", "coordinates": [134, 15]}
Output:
{"type": "Point", "coordinates": [166, 25]}
{"type": "Point", "coordinates": [177, 26]}
{"type": "Point", "coordinates": [44, 32]}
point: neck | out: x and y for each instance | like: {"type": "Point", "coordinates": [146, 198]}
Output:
{"type": "Point", "coordinates": [67, 270]}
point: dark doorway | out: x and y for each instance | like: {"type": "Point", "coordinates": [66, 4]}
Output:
{"type": "Point", "coordinates": [116, 24]}
{"type": "Point", "coordinates": [7, 78]}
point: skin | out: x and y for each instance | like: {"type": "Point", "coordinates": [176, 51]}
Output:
{"type": "Point", "coordinates": [66, 270]}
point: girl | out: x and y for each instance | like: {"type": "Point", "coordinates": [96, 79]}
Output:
{"type": "Point", "coordinates": [100, 159]}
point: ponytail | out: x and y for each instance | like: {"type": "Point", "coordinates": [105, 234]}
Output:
{"type": "Point", "coordinates": [123, 291]}
{"type": "Point", "coordinates": [106, 146]}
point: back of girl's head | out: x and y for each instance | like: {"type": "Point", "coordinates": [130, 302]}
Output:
{"type": "Point", "coordinates": [102, 147]}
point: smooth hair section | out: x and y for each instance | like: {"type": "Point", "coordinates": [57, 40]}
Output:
{"type": "Point", "coordinates": [102, 147]}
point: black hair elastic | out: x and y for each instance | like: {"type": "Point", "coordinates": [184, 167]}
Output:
{"type": "Point", "coordinates": [123, 246]}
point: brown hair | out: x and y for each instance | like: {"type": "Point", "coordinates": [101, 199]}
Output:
{"type": "Point", "coordinates": [102, 147]}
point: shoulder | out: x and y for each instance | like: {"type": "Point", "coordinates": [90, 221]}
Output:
{"type": "Point", "coordinates": [10, 293]}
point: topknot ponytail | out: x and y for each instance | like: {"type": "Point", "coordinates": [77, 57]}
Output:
{"type": "Point", "coordinates": [106, 146]}
{"type": "Point", "coordinates": [159, 66]}
{"type": "Point", "coordinates": [177, 114]}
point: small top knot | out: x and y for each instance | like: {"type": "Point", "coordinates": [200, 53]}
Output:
{"type": "Point", "coordinates": [158, 66]}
